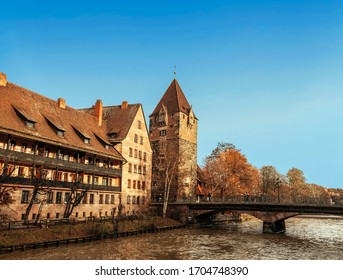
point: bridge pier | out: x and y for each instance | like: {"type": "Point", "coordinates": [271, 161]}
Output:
{"type": "Point", "coordinates": [274, 227]}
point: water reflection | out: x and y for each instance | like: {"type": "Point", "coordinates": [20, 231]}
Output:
{"type": "Point", "coordinates": [304, 239]}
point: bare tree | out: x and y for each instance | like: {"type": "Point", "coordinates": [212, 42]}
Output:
{"type": "Point", "coordinates": [6, 189]}
{"type": "Point", "coordinates": [76, 195]}
{"type": "Point", "coordinates": [40, 189]}
{"type": "Point", "coordinates": [167, 173]}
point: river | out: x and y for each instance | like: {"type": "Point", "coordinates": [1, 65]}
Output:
{"type": "Point", "coordinates": [305, 239]}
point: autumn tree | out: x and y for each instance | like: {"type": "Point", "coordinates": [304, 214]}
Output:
{"type": "Point", "coordinates": [297, 184]}
{"type": "Point", "coordinates": [229, 173]}
{"type": "Point", "coordinates": [272, 183]}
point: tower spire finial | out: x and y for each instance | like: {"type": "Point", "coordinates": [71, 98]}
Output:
{"type": "Point", "coordinates": [174, 71]}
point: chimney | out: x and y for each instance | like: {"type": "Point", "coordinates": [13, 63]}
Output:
{"type": "Point", "coordinates": [61, 103]}
{"type": "Point", "coordinates": [124, 105]}
{"type": "Point", "coordinates": [98, 111]}
{"type": "Point", "coordinates": [3, 80]}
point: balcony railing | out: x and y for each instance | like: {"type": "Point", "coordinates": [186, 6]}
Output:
{"type": "Point", "coordinates": [24, 158]}
{"type": "Point", "coordinates": [57, 184]}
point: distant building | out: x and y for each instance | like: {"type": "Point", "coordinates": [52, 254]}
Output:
{"type": "Point", "coordinates": [46, 142]}
{"type": "Point", "coordinates": [173, 136]}
{"type": "Point", "coordinates": [128, 133]}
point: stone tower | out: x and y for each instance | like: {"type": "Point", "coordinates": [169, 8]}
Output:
{"type": "Point", "coordinates": [173, 137]}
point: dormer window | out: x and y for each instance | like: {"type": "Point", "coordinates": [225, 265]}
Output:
{"type": "Point", "coordinates": [30, 124]}
{"type": "Point", "coordinates": [60, 133]}
{"type": "Point", "coordinates": [58, 128]}
{"type": "Point", "coordinates": [105, 143]}
{"type": "Point", "coordinates": [82, 134]}
{"type": "Point", "coordinates": [25, 117]}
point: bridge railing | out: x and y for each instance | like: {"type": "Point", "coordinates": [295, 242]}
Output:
{"type": "Point", "coordinates": [258, 199]}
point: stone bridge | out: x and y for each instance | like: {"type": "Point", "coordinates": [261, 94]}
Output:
{"type": "Point", "coordinates": [272, 215]}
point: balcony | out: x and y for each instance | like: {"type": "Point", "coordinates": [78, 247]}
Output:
{"type": "Point", "coordinates": [56, 184]}
{"type": "Point", "coordinates": [52, 163]}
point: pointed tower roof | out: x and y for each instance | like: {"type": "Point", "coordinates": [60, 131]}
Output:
{"type": "Point", "coordinates": [174, 100]}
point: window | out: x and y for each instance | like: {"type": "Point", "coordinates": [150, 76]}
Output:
{"type": "Point", "coordinates": [112, 198]}
{"type": "Point", "coordinates": [134, 184]}
{"type": "Point", "coordinates": [60, 133]}
{"type": "Point", "coordinates": [66, 197]}
{"type": "Point", "coordinates": [50, 197]}
{"type": "Point", "coordinates": [139, 124]}
{"type": "Point", "coordinates": [85, 197]}
{"type": "Point", "coordinates": [137, 199]}
{"type": "Point", "coordinates": [130, 167]}
{"type": "Point", "coordinates": [130, 152]}
{"type": "Point", "coordinates": [135, 168]}
{"type": "Point", "coordinates": [140, 154]}
{"type": "Point", "coordinates": [163, 132]}
{"type": "Point", "coordinates": [143, 199]}
{"type": "Point", "coordinates": [133, 199]}
{"type": "Point", "coordinates": [104, 181]}
{"type": "Point", "coordinates": [128, 199]}
{"type": "Point", "coordinates": [23, 147]}
{"type": "Point", "coordinates": [136, 138]}
{"type": "Point", "coordinates": [25, 197]}
{"type": "Point", "coordinates": [136, 153]}
{"type": "Point", "coordinates": [144, 156]}
{"type": "Point", "coordinates": [12, 145]}
{"type": "Point", "coordinates": [141, 140]}
{"type": "Point", "coordinates": [129, 183]}
{"type": "Point", "coordinates": [91, 199]}
{"type": "Point", "coordinates": [139, 185]}
{"type": "Point", "coordinates": [107, 199]}
{"type": "Point", "coordinates": [57, 215]}
{"type": "Point", "coordinates": [30, 124]}
{"type": "Point", "coordinates": [86, 140]}
{"type": "Point", "coordinates": [139, 169]}
{"type": "Point", "coordinates": [58, 197]}
{"type": "Point", "coordinates": [96, 180]}
{"type": "Point", "coordinates": [144, 170]}
{"type": "Point", "coordinates": [101, 199]}
{"type": "Point", "coordinates": [143, 185]}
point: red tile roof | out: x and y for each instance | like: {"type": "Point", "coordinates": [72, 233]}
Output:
{"type": "Point", "coordinates": [174, 99]}
{"type": "Point", "coordinates": [118, 119]}
{"type": "Point", "coordinates": [18, 103]}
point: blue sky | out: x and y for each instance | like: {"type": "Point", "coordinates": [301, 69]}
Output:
{"type": "Point", "coordinates": [263, 75]}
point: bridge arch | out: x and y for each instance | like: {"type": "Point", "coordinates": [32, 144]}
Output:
{"type": "Point", "coordinates": [273, 222]}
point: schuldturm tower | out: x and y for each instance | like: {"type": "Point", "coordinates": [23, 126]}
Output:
{"type": "Point", "coordinates": [173, 137]}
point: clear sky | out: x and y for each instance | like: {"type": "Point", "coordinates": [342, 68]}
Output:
{"type": "Point", "coordinates": [266, 76]}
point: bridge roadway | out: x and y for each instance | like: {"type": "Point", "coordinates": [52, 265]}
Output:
{"type": "Point", "coordinates": [273, 215]}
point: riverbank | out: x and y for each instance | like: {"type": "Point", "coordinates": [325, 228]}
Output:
{"type": "Point", "coordinates": [11, 240]}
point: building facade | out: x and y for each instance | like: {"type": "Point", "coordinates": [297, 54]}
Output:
{"type": "Point", "coordinates": [173, 136]}
{"type": "Point", "coordinates": [53, 155]}
{"type": "Point", "coordinates": [128, 133]}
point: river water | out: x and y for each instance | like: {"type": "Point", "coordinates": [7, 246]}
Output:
{"type": "Point", "coordinates": [305, 239]}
